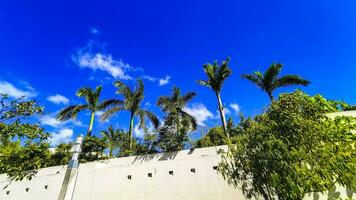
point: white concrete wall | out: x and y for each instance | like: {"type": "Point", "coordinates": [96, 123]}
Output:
{"type": "Point", "coordinates": [108, 179]}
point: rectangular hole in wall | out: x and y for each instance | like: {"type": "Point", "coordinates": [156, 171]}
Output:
{"type": "Point", "coordinates": [46, 187]}
{"type": "Point", "coordinates": [170, 172]}
{"type": "Point", "coordinates": [149, 175]}
{"type": "Point", "coordinates": [129, 177]}
{"type": "Point", "coordinates": [215, 167]}
{"type": "Point", "coordinates": [27, 189]}
{"type": "Point", "coordinates": [192, 170]}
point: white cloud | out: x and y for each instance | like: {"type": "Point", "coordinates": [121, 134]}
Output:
{"type": "Point", "coordinates": [150, 78]}
{"type": "Point", "coordinates": [64, 135]}
{"type": "Point", "coordinates": [103, 62]}
{"type": "Point", "coordinates": [235, 107]}
{"type": "Point", "coordinates": [199, 112]}
{"type": "Point", "coordinates": [58, 99]}
{"type": "Point", "coordinates": [94, 30]}
{"type": "Point", "coordinates": [164, 81]}
{"type": "Point", "coordinates": [12, 91]}
{"type": "Point", "coordinates": [49, 120]}
{"type": "Point", "coordinates": [161, 81]}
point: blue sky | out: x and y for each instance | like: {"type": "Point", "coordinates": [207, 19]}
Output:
{"type": "Point", "coordinates": [51, 48]}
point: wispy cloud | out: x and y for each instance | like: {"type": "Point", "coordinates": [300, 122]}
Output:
{"type": "Point", "coordinates": [161, 81]}
{"type": "Point", "coordinates": [164, 81]}
{"type": "Point", "coordinates": [51, 121]}
{"type": "Point", "coordinates": [103, 62]}
{"type": "Point", "coordinates": [199, 112]}
{"type": "Point", "coordinates": [64, 135]}
{"type": "Point", "coordinates": [58, 99]}
{"type": "Point", "coordinates": [94, 30]}
{"type": "Point", "coordinates": [92, 56]}
{"type": "Point", "coordinates": [12, 91]}
{"type": "Point", "coordinates": [235, 107]}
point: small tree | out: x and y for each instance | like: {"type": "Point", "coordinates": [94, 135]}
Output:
{"type": "Point", "coordinates": [23, 143]}
{"type": "Point", "coordinates": [112, 138]}
{"type": "Point", "coordinates": [293, 149]}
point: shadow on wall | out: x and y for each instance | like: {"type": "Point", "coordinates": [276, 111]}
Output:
{"type": "Point", "coordinates": [160, 157]}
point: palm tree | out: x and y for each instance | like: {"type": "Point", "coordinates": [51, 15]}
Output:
{"type": "Point", "coordinates": [269, 81]}
{"type": "Point", "coordinates": [132, 103]}
{"type": "Point", "coordinates": [112, 137]}
{"type": "Point", "coordinates": [174, 107]}
{"type": "Point", "coordinates": [92, 104]}
{"type": "Point", "coordinates": [217, 74]}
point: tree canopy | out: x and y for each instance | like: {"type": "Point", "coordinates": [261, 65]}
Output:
{"type": "Point", "coordinates": [293, 149]}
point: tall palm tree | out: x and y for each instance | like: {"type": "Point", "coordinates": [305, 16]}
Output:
{"type": "Point", "coordinates": [174, 107]}
{"type": "Point", "coordinates": [92, 104]}
{"type": "Point", "coordinates": [217, 74]}
{"type": "Point", "coordinates": [132, 104]}
{"type": "Point", "coordinates": [269, 81]}
{"type": "Point", "coordinates": [112, 137]}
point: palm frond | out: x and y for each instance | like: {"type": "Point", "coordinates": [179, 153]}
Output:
{"type": "Point", "coordinates": [123, 89]}
{"type": "Point", "coordinates": [290, 80]}
{"type": "Point", "coordinates": [271, 74]}
{"type": "Point", "coordinates": [109, 103]}
{"type": "Point", "coordinates": [223, 71]}
{"type": "Point", "coordinates": [84, 91]}
{"type": "Point", "coordinates": [190, 119]}
{"type": "Point", "coordinates": [254, 78]}
{"type": "Point", "coordinates": [110, 112]}
{"type": "Point", "coordinates": [188, 97]}
{"type": "Point", "coordinates": [204, 83]}
{"type": "Point", "coordinates": [70, 112]}
{"type": "Point", "coordinates": [152, 117]}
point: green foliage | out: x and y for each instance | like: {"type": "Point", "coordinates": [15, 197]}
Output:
{"type": "Point", "coordinates": [169, 139]}
{"type": "Point", "coordinates": [291, 150]}
{"type": "Point", "coordinates": [93, 149]}
{"type": "Point", "coordinates": [215, 137]}
{"type": "Point", "coordinates": [112, 138]}
{"type": "Point", "coordinates": [21, 162]}
{"type": "Point", "coordinates": [61, 155]}
{"type": "Point", "coordinates": [269, 81]}
{"type": "Point", "coordinates": [23, 146]}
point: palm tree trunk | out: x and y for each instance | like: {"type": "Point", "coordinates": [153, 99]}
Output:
{"type": "Point", "coordinates": [110, 152]}
{"type": "Point", "coordinates": [130, 129]}
{"type": "Point", "coordinates": [91, 124]}
{"type": "Point", "coordinates": [222, 114]}
{"type": "Point", "coordinates": [270, 96]}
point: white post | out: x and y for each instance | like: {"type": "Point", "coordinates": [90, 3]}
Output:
{"type": "Point", "coordinates": [68, 184]}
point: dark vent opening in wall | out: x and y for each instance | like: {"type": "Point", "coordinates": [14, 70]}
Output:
{"type": "Point", "coordinates": [27, 189]}
{"type": "Point", "coordinates": [129, 177]}
{"type": "Point", "coordinates": [7, 192]}
{"type": "Point", "coordinates": [170, 172]}
{"type": "Point", "coordinates": [46, 187]}
{"type": "Point", "coordinates": [192, 170]}
{"type": "Point", "coordinates": [215, 167]}
{"type": "Point", "coordinates": [149, 175]}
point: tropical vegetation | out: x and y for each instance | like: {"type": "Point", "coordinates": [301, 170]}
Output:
{"type": "Point", "coordinates": [290, 150]}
